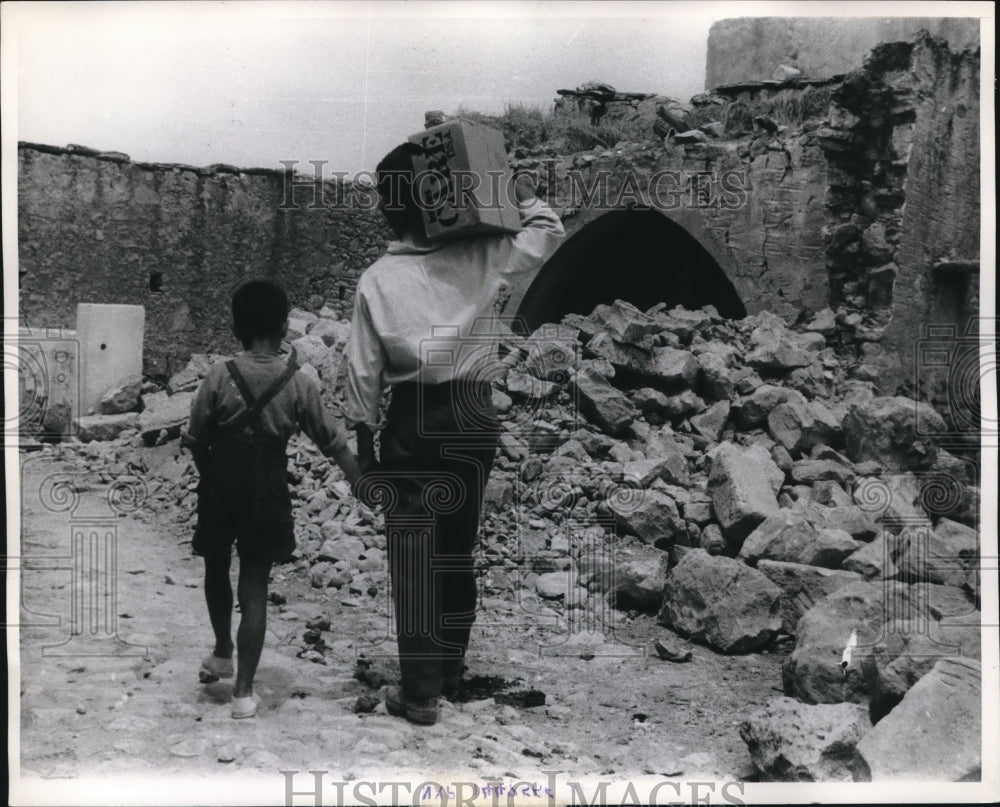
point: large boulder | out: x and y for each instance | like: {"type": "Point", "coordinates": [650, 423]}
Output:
{"type": "Point", "coordinates": [743, 484]}
{"type": "Point", "coordinates": [824, 667]}
{"type": "Point", "coordinates": [721, 602]}
{"type": "Point", "coordinates": [673, 368]}
{"type": "Point", "coordinates": [799, 426]}
{"type": "Point", "coordinates": [849, 518]}
{"type": "Point", "coordinates": [947, 554]}
{"type": "Point", "coordinates": [709, 424]}
{"type": "Point", "coordinates": [799, 742]}
{"type": "Point", "coordinates": [934, 734]}
{"type": "Point", "coordinates": [552, 353]}
{"type": "Point", "coordinates": [186, 380]}
{"type": "Point", "coordinates": [774, 348]}
{"type": "Point", "coordinates": [909, 648]}
{"type": "Point", "coordinates": [603, 404]}
{"type": "Point", "coordinates": [802, 587]}
{"type": "Point", "coordinates": [789, 536]}
{"type": "Point", "coordinates": [873, 561]}
{"type": "Point", "coordinates": [629, 359]}
{"type": "Point", "coordinates": [640, 578]}
{"type": "Point", "coordinates": [102, 428]}
{"type": "Point", "coordinates": [333, 333]}
{"type": "Point", "coordinates": [886, 431]}
{"type": "Point", "coordinates": [167, 414]}
{"type": "Point", "coordinates": [751, 411]}
{"type": "Point", "coordinates": [121, 397]}
{"type": "Point", "coordinates": [673, 466]}
{"type": "Point", "coordinates": [311, 349]}
{"type": "Point", "coordinates": [626, 323]}
{"type": "Point", "coordinates": [650, 515]}
{"type": "Point", "coordinates": [718, 380]}
{"type": "Point", "coordinates": [526, 387]}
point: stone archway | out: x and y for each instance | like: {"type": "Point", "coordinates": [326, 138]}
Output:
{"type": "Point", "coordinates": [638, 255]}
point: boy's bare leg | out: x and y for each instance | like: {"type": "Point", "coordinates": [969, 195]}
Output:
{"type": "Point", "coordinates": [219, 598]}
{"type": "Point", "coordinates": [252, 593]}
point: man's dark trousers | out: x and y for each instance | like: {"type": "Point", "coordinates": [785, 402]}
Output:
{"type": "Point", "coordinates": [437, 449]}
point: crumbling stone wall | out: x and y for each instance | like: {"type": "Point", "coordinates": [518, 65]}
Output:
{"type": "Point", "coordinates": [98, 228]}
{"type": "Point", "coordinates": [751, 48]}
{"type": "Point", "coordinates": [903, 238]}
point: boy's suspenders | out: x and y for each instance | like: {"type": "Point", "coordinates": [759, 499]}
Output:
{"type": "Point", "coordinates": [255, 406]}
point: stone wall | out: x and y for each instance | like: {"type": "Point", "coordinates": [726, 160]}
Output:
{"type": "Point", "coordinates": [904, 205]}
{"type": "Point", "coordinates": [97, 228]}
{"type": "Point", "coordinates": [750, 48]}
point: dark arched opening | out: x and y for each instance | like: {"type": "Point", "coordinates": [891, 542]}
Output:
{"type": "Point", "coordinates": [636, 255]}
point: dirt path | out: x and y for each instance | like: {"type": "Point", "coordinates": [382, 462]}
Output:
{"type": "Point", "coordinates": [611, 706]}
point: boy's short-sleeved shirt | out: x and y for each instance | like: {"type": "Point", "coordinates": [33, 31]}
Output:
{"type": "Point", "coordinates": [296, 407]}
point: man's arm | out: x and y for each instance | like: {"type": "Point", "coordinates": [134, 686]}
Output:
{"type": "Point", "coordinates": [365, 362]}
{"type": "Point", "coordinates": [317, 423]}
{"type": "Point", "coordinates": [541, 234]}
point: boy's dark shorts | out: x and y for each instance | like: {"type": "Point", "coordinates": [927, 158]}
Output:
{"type": "Point", "coordinates": [245, 501]}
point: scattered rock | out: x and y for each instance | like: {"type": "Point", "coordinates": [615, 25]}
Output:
{"type": "Point", "coordinates": [751, 411]}
{"type": "Point", "coordinates": [668, 653]}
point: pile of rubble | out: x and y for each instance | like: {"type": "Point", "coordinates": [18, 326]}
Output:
{"type": "Point", "coordinates": [732, 477]}
{"type": "Point", "coordinates": [762, 492]}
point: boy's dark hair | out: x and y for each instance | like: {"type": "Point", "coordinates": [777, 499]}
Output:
{"type": "Point", "coordinates": [395, 186]}
{"type": "Point", "coordinates": [260, 309]}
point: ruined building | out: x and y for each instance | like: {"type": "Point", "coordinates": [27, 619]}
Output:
{"type": "Point", "coordinates": [849, 188]}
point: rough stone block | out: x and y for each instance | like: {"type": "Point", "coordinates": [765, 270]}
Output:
{"type": "Point", "coordinates": [885, 430]}
{"type": "Point", "coordinates": [121, 397]}
{"type": "Point", "coordinates": [743, 483]}
{"type": "Point", "coordinates": [603, 404]}
{"type": "Point", "coordinates": [751, 411]}
{"type": "Point", "coordinates": [799, 742]}
{"type": "Point", "coordinates": [640, 578]}
{"type": "Point", "coordinates": [789, 536]}
{"type": "Point", "coordinates": [167, 414]}
{"type": "Point", "coordinates": [721, 602]}
{"type": "Point", "coordinates": [934, 734]}
{"type": "Point", "coordinates": [650, 515]}
{"type": "Point", "coordinates": [105, 427]}
{"type": "Point", "coordinates": [802, 587]}
{"type": "Point", "coordinates": [814, 672]}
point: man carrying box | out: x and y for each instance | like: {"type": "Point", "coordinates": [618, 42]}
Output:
{"type": "Point", "coordinates": [424, 324]}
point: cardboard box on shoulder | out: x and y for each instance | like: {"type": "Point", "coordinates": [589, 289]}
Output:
{"type": "Point", "coordinates": [463, 181]}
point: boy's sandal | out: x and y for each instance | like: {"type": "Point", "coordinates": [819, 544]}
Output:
{"type": "Point", "coordinates": [245, 707]}
{"type": "Point", "coordinates": [213, 668]}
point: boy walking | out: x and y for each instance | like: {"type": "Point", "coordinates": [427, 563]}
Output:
{"type": "Point", "coordinates": [242, 417]}
{"type": "Point", "coordinates": [441, 432]}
